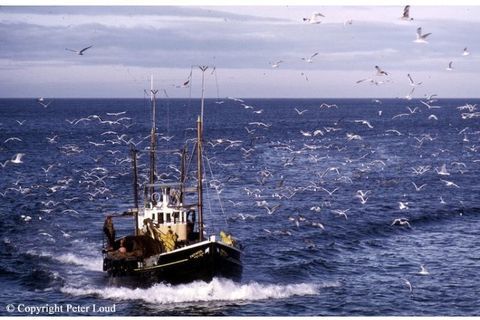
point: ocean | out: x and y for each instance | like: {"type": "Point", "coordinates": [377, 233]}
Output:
{"type": "Point", "coordinates": [312, 188]}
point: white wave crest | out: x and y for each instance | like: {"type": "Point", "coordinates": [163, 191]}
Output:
{"type": "Point", "coordinates": [94, 264]}
{"type": "Point", "coordinates": [216, 290]}
{"type": "Point", "coordinates": [88, 263]}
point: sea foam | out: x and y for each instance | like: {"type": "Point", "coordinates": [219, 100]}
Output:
{"type": "Point", "coordinates": [217, 290]}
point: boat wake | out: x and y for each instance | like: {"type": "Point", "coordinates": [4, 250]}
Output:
{"type": "Point", "coordinates": [87, 263]}
{"type": "Point", "coordinates": [92, 264]}
{"type": "Point", "coordinates": [218, 289]}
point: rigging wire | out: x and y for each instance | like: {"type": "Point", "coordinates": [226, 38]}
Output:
{"type": "Point", "coordinates": [214, 72]}
{"type": "Point", "coordinates": [218, 193]}
{"type": "Point", "coordinates": [168, 113]}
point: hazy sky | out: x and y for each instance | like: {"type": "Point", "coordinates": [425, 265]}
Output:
{"type": "Point", "coordinates": [130, 43]}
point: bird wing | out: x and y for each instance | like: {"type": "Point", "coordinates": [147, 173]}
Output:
{"type": "Point", "coordinates": [419, 32]}
{"type": "Point", "coordinates": [85, 49]}
{"type": "Point", "coordinates": [411, 80]}
{"type": "Point", "coordinates": [406, 11]}
{"type": "Point", "coordinates": [426, 35]}
{"type": "Point", "coordinates": [71, 50]}
{"type": "Point", "coordinates": [313, 55]}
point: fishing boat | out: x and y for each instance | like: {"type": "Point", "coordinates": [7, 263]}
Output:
{"type": "Point", "coordinates": [169, 242]}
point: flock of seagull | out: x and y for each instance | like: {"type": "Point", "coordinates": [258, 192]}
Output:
{"type": "Point", "coordinates": [421, 38]}
{"type": "Point", "coordinates": [274, 190]}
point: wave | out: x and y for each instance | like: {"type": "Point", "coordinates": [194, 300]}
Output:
{"type": "Point", "coordinates": [88, 263]}
{"type": "Point", "coordinates": [217, 290]}
{"type": "Point", "coordinates": [93, 264]}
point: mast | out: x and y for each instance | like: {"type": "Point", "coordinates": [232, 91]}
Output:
{"type": "Point", "coordinates": [203, 68]}
{"type": "Point", "coordinates": [135, 188]}
{"type": "Point", "coordinates": [199, 156]}
{"type": "Point", "coordinates": [200, 178]}
{"type": "Point", "coordinates": [153, 137]}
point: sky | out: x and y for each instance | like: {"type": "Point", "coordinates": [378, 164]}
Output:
{"type": "Point", "coordinates": [131, 43]}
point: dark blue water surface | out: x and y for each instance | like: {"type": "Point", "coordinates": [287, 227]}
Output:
{"type": "Point", "coordinates": [321, 252]}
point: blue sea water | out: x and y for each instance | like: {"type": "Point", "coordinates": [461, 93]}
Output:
{"type": "Point", "coordinates": [321, 252]}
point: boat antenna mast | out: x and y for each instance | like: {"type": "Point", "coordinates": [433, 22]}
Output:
{"type": "Point", "coordinates": [199, 156]}
{"type": "Point", "coordinates": [153, 136]}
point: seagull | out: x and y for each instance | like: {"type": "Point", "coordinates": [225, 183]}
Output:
{"type": "Point", "coordinates": [272, 209]}
{"type": "Point", "coordinates": [421, 38]}
{"type": "Point", "coordinates": [314, 18]}
{"type": "Point", "coordinates": [310, 60]}
{"type": "Point", "coordinates": [80, 53]}
{"type": "Point", "coordinates": [48, 168]}
{"type": "Point", "coordinates": [429, 106]}
{"type": "Point", "coordinates": [403, 205]}
{"type": "Point", "coordinates": [52, 139]}
{"type": "Point", "coordinates": [12, 139]}
{"type": "Point", "coordinates": [432, 117]}
{"type": "Point", "coordinates": [465, 52]}
{"type": "Point", "coordinates": [276, 64]}
{"type": "Point", "coordinates": [116, 113]}
{"type": "Point", "coordinates": [318, 224]}
{"type": "Point", "coordinates": [341, 213]}
{"type": "Point", "coordinates": [380, 72]}
{"type": "Point", "coordinates": [4, 164]}
{"type": "Point", "coordinates": [400, 115]}
{"type": "Point", "coordinates": [21, 122]}
{"type": "Point", "coordinates": [450, 183]}
{"type": "Point", "coordinates": [45, 104]}
{"type": "Point", "coordinates": [17, 158]}
{"type": "Point", "coordinates": [412, 83]}
{"type": "Point", "coordinates": [362, 198]}
{"type": "Point", "coordinates": [423, 271]}
{"type": "Point", "coordinates": [401, 221]}
{"type": "Point", "coordinates": [328, 106]}
{"type": "Point", "coordinates": [409, 285]}
{"type": "Point", "coordinates": [443, 170]}
{"type": "Point", "coordinates": [329, 192]}
{"type": "Point", "coordinates": [301, 112]}
{"type": "Point", "coordinates": [412, 110]}
{"type": "Point", "coordinates": [365, 122]}
{"type": "Point", "coordinates": [363, 193]}
{"type": "Point", "coordinates": [450, 67]}
{"type": "Point", "coordinates": [406, 14]}
{"type": "Point", "coordinates": [394, 131]}
{"type": "Point", "coordinates": [260, 124]}
{"type": "Point", "coordinates": [410, 94]}
{"type": "Point", "coordinates": [417, 188]}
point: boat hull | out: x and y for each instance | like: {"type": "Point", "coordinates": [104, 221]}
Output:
{"type": "Point", "coordinates": [200, 261]}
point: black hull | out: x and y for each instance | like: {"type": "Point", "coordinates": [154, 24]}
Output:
{"type": "Point", "coordinates": [200, 261]}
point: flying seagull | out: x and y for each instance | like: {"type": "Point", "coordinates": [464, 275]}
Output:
{"type": "Point", "coordinates": [465, 52]}
{"type": "Point", "coordinates": [406, 13]}
{"type": "Point", "coordinates": [310, 60]}
{"type": "Point", "coordinates": [421, 38]}
{"type": "Point", "coordinates": [315, 18]}
{"type": "Point", "coordinates": [413, 83]}
{"type": "Point", "coordinates": [450, 67]}
{"type": "Point", "coordinates": [45, 105]}
{"type": "Point", "coordinates": [17, 158]}
{"type": "Point", "coordinates": [380, 72]}
{"type": "Point", "coordinates": [80, 53]}
{"type": "Point", "coordinates": [276, 64]}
